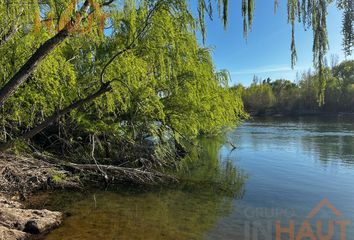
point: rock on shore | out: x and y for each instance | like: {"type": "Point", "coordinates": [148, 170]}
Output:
{"type": "Point", "coordinates": [19, 178]}
{"type": "Point", "coordinates": [17, 223]}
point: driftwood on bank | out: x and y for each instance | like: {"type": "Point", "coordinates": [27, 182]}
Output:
{"type": "Point", "coordinates": [114, 174]}
{"type": "Point", "coordinates": [22, 176]}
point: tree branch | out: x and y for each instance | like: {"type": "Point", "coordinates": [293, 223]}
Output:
{"type": "Point", "coordinates": [50, 120]}
{"type": "Point", "coordinates": [44, 50]}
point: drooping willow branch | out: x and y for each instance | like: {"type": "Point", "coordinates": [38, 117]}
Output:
{"type": "Point", "coordinates": [105, 88]}
{"type": "Point", "coordinates": [347, 6]}
{"type": "Point", "coordinates": [136, 36]}
{"type": "Point", "coordinates": [312, 13]}
{"type": "Point", "coordinates": [52, 119]}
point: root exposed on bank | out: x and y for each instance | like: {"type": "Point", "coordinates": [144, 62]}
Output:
{"type": "Point", "coordinates": [21, 176]}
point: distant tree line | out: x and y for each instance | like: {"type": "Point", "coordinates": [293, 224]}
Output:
{"type": "Point", "coordinates": [286, 97]}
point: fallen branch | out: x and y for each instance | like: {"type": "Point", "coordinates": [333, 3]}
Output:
{"type": "Point", "coordinates": [120, 174]}
{"type": "Point", "coordinates": [114, 174]}
{"type": "Point", "coordinates": [22, 176]}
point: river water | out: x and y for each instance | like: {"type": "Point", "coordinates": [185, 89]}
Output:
{"type": "Point", "coordinates": [291, 177]}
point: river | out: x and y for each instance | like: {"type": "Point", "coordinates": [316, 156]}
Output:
{"type": "Point", "coordinates": [287, 176]}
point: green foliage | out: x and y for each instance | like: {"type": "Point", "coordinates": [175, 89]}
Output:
{"type": "Point", "coordinates": [49, 16]}
{"type": "Point", "coordinates": [58, 177]}
{"type": "Point", "coordinates": [258, 97]}
{"type": "Point", "coordinates": [312, 14]}
{"type": "Point", "coordinates": [347, 6]}
{"type": "Point", "coordinates": [163, 83]}
{"type": "Point", "coordinates": [161, 79]}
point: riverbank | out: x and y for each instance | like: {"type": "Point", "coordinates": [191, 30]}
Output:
{"type": "Point", "coordinates": [23, 176]}
{"type": "Point", "coordinates": [311, 157]}
{"type": "Point", "coordinates": [271, 113]}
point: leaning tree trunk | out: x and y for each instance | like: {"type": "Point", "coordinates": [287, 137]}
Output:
{"type": "Point", "coordinates": [50, 120]}
{"type": "Point", "coordinates": [46, 48]}
{"type": "Point", "coordinates": [27, 69]}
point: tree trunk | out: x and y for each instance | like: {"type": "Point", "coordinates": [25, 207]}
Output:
{"type": "Point", "coordinates": [27, 69]}
{"type": "Point", "coordinates": [50, 120]}
{"type": "Point", "coordinates": [46, 48]}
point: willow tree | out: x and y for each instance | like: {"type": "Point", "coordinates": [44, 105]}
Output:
{"type": "Point", "coordinates": [145, 77]}
{"type": "Point", "coordinates": [166, 79]}
{"type": "Point", "coordinates": [312, 13]}
{"type": "Point", "coordinates": [136, 61]}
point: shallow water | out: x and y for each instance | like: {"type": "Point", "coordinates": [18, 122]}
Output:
{"type": "Point", "coordinates": [282, 168]}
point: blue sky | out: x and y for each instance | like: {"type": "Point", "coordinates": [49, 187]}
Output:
{"type": "Point", "coordinates": [266, 53]}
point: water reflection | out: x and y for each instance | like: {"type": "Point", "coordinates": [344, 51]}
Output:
{"type": "Point", "coordinates": [204, 167]}
{"type": "Point", "coordinates": [293, 164]}
{"type": "Point", "coordinates": [188, 211]}
{"type": "Point", "coordinates": [279, 164]}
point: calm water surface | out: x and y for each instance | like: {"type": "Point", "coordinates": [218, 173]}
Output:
{"type": "Point", "coordinates": [281, 169]}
